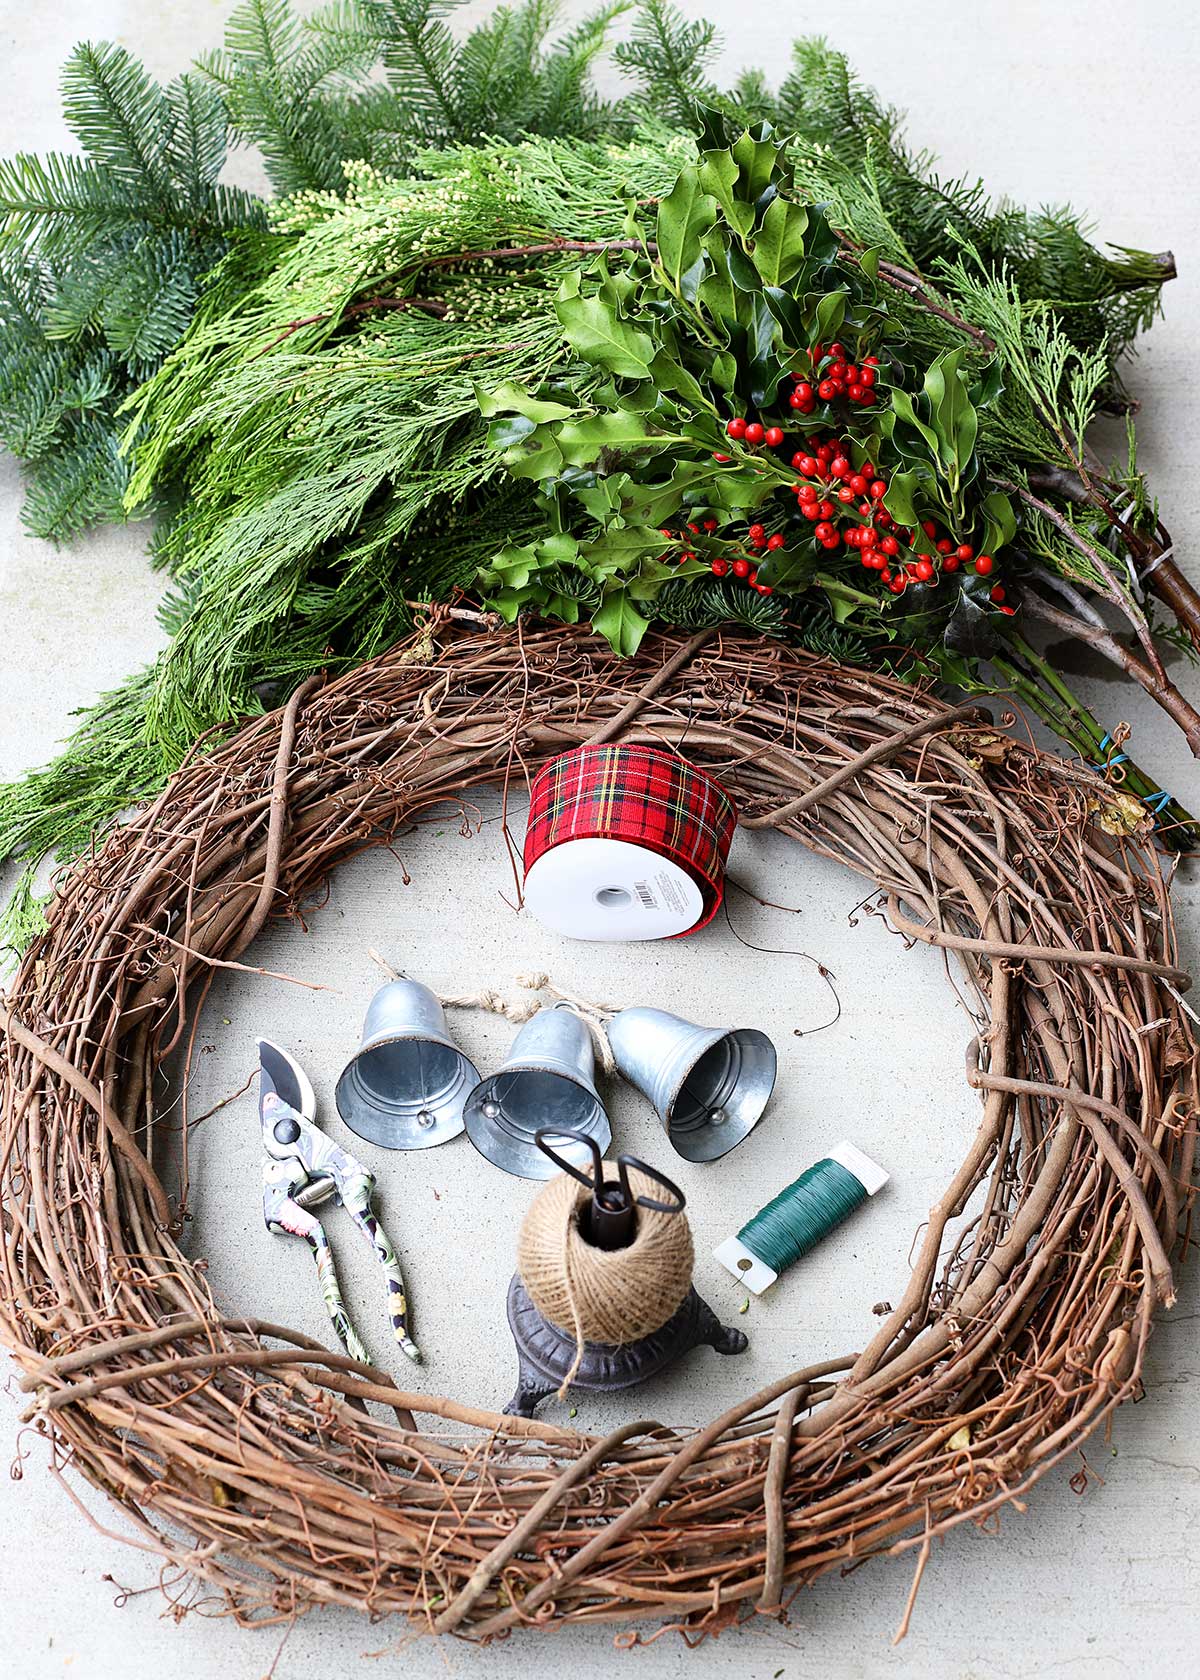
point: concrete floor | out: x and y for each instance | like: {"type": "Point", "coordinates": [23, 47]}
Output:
{"type": "Point", "coordinates": [1087, 103]}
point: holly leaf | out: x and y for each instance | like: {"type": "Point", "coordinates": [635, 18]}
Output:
{"type": "Point", "coordinates": [831, 312]}
{"type": "Point", "coordinates": [718, 176]}
{"type": "Point", "coordinates": [905, 409]}
{"type": "Point", "coordinates": [789, 569]}
{"type": "Point", "coordinates": [511, 397]}
{"type": "Point", "coordinates": [971, 628]}
{"type": "Point", "coordinates": [581, 443]}
{"type": "Point", "coordinates": [527, 450]}
{"type": "Point", "coordinates": [756, 154]}
{"type": "Point", "coordinates": [953, 415]}
{"type": "Point", "coordinates": [684, 217]}
{"type": "Point", "coordinates": [618, 549]}
{"type": "Point", "coordinates": [779, 243]}
{"type": "Point", "coordinates": [596, 332]}
{"type": "Point", "coordinates": [620, 623]}
{"type": "Point", "coordinates": [901, 498]}
{"type": "Point", "coordinates": [999, 521]}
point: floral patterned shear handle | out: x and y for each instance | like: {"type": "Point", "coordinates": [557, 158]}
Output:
{"type": "Point", "coordinates": [303, 1168]}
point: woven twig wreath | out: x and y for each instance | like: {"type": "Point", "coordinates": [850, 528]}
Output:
{"type": "Point", "coordinates": [239, 1450]}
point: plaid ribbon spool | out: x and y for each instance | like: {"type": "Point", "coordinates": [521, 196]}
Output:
{"type": "Point", "coordinates": [641, 795]}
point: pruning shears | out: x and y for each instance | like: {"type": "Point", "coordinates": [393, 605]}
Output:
{"type": "Point", "coordinates": [302, 1168]}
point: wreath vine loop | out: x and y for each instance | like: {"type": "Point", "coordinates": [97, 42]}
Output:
{"type": "Point", "coordinates": [239, 1450]}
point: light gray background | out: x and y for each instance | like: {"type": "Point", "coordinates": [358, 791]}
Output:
{"type": "Point", "coordinates": [1088, 103]}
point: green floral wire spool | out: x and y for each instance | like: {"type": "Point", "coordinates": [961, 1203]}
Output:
{"type": "Point", "coordinates": [800, 1216]}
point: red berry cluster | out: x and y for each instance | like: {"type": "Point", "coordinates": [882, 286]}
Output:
{"type": "Point", "coordinates": [753, 433]}
{"type": "Point", "coordinates": [834, 377]}
{"type": "Point", "coordinates": [741, 567]}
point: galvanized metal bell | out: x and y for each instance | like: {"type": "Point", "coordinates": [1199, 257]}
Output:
{"type": "Point", "coordinates": [406, 1086]}
{"type": "Point", "coordinates": [548, 1081]}
{"type": "Point", "coordinates": [709, 1084]}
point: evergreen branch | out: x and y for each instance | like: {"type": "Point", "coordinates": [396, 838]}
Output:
{"type": "Point", "coordinates": [668, 56]}
{"type": "Point", "coordinates": [119, 115]}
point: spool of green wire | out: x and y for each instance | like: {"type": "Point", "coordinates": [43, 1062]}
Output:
{"type": "Point", "coordinates": [795, 1221]}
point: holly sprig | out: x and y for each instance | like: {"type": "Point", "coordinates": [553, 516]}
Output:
{"type": "Point", "coordinates": [738, 299]}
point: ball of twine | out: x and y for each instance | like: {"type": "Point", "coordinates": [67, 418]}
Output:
{"type": "Point", "coordinates": [603, 1295]}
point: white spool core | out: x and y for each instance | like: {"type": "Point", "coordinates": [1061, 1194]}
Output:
{"type": "Point", "coordinates": [611, 890]}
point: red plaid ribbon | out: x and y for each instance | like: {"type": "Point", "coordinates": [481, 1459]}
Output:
{"type": "Point", "coordinates": [641, 795]}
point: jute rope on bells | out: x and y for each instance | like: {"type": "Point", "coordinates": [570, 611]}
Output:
{"type": "Point", "coordinates": [240, 1450]}
{"type": "Point", "coordinates": [519, 1009]}
{"type": "Point", "coordinates": [613, 1296]}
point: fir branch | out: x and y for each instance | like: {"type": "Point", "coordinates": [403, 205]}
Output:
{"type": "Point", "coordinates": [667, 56]}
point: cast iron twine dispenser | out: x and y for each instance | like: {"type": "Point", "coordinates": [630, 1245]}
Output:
{"type": "Point", "coordinates": [611, 1255]}
{"type": "Point", "coordinates": [302, 1168]}
{"type": "Point", "coordinates": [407, 1083]}
{"type": "Point", "coordinates": [547, 1080]}
{"type": "Point", "coordinates": [710, 1085]}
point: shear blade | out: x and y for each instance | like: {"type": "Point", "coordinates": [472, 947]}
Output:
{"type": "Point", "coordinates": [281, 1072]}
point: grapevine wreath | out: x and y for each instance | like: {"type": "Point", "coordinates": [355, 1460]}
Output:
{"type": "Point", "coordinates": [241, 1451]}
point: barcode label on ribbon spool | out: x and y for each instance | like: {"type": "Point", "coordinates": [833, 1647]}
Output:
{"type": "Point", "coordinates": [626, 843]}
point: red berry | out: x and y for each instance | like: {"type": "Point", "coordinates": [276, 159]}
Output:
{"type": "Point", "coordinates": [997, 592]}
{"type": "Point", "coordinates": [924, 570]}
{"type": "Point", "coordinates": [751, 576]}
{"type": "Point", "coordinates": [878, 490]}
{"type": "Point", "coordinates": [757, 533]}
{"type": "Point", "coordinates": [984, 564]}
{"type": "Point", "coordinates": [765, 588]}
{"type": "Point", "coordinates": [856, 392]}
{"type": "Point", "coordinates": [827, 510]}
{"type": "Point", "coordinates": [929, 528]}
{"type": "Point", "coordinates": [741, 568]}
{"type": "Point", "coordinates": [898, 585]}
{"type": "Point", "coordinates": [945, 546]}
{"type": "Point", "coordinates": [889, 545]}
{"type": "Point", "coordinates": [776, 540]}
{"type": "Point", "coordinates": [810, 510]}
{"type": "Point", "coordinates": [965, 551]}
{"type": "Point", "coordinates": [710, 524]}
{"type": "Point", "coordinates": [805, 464]}
{"type": "Point", "coordinates": [736, 428]}
{"type": "Point", "coordinates": [806, 493]}
{"type": "Point", "coordinates": [840, 467]}
{"type": "Point", "coordinates": [845, 494]}
{"type": "Point", "coordinates": [754, 432]}
{"type": "Point", "coordinates": [857, 483]}
{"type": "Point", "coordinates": [773, 436]}
{"type": "Point", "coordinates": [722, 458]}
{"type": "Point", "coordinates": [838, 350]}
{"type": "Point", "coordinates": [823, 531]}
{"type": "Point", "coordinates": [866, 376]}
{"type": "Point", "coordinates": [950, 563]}
{"type": "Point", "coordinates": [719, 567]}
{"type": "Point", "coordinates": [830, 542]}
{"type": "Point", "coordinates": [852, 536]}
{"type": "Point", "coordinates": [827, 390]}
{"type": "Point", "coordinates": [805, 390]}
{"type": "Point", "coordinates": [1009, 612]}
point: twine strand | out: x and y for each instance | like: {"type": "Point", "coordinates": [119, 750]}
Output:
{"type": "Point", "coordinates": [595, 1016]}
